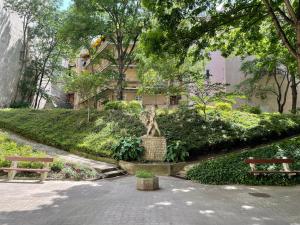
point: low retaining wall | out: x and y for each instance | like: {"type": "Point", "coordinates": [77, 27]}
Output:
{"type": "Point", "coordinates": [158, 168]}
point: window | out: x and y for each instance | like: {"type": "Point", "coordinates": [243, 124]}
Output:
{"type": "Point", "coordinates": [138, 98]}
{"type": "Point", "coordinates": [174, 100]}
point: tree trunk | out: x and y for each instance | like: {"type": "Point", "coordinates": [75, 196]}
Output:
{"type": "Point", "coordinates": [293, 78]}
{"type": "Point", "coordinates": [120, 85]}
{"type": "Point", "coordinates": [88, 101]}
{"type": "Point", "coordinates": [294, 94]}
{"type": "Point", "coordinates": [280, 108]}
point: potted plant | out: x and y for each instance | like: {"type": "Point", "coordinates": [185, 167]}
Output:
{"type": "Point", "coordinates": [146, 181]}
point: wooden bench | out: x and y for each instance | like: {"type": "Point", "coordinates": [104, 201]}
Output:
{"type": "Point", "coordinates": [284, 161]}
{"type": "Point", "coordinates": [13, 169]}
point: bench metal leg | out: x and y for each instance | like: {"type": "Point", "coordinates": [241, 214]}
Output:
{"type": "Point", "coordinates": [286, 168]}
{"type": "Point", "coordinates": [12, 173]}
{"type": "Point", "coordinates": [253, 167]}
{"type": "Point", "coordinates": [44, 174]}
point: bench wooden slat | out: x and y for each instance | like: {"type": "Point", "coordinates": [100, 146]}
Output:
{"type": "Point", "coordinates": [266, 161]}
{"type": "Point", "coordinates": [26, 170]}
{"type": "Point", "coordinates": [13, 169]}
{"type": "Point", "coordinates": [28, 159]}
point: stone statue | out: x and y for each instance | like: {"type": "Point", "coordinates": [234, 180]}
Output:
{"type": "Point", "coordinates": [149, 120]}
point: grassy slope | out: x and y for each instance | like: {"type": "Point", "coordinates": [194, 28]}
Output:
{"type": "Point", "coordinates": [228, 129]}
{"type": "Point", "coordinates": [69, 130]}
{"type": "Point", "coordinates": [231, 169]}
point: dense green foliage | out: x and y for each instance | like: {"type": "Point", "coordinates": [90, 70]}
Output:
{"type": "Point", "coordinates": [134, 107]}
{"type": "Point", "coordinates": [128, 149]}
{"type": "Point", "coordinates": [224, 129]}
{"type": "Point", "coordinates": [231, 168]}
{"type": "Point", "coordinates": [144, 174]}
{"type": "Point", "coordinates": [250, 109]}
{"type": "Point", "coordinates": [69, 129]}
{"type": "Point", "coordinates": [223, 106]}
{"type": "Point", "coordinates": [177, 152]}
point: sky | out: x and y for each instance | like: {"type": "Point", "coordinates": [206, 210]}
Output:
{"type": "Point", "coordinates": [66, 4]}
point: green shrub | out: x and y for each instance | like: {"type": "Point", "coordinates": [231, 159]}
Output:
{"type": "Point", "coordinates": [201, 107]}
{"type": "Point", "coordinates": [231, 168]}
{"type": "Point", "coordinates": [78, 172]}
{"type": "Point", "coordinates": [250, 109]}
{"type": "Point", "coordinates": [115, 105]}
{"type": "Point", "coordinates": [133, 107]}
{"type": "Point", "coordinates": [223, 106]}
{"type": "Point", "coordinates": [144, 174]}
{"type": "Point", "coordinates": [176, 152]}
{"type": "Point", "coordinates": [57, 166]}
{"type": "Point", "coordinates": [20, 104]}
{"type": "Point", "coordinates": [128, 149]}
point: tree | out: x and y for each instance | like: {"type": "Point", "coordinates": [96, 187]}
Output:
{"type": "Point", "coordinates": [205, 93]}
{"type": "Point", "coordinates": [46, 53]}
{"type": "Point", "coordinates": [85, 84]}
{"type": "Point", "coordinates": [258, 69]}
{"type": "Point", "coordinates": [121, 22]}
{"type": "Point", "coordinates": [165, 73]}
{"type": "Point", "coordinates": [186, 23]}
{"type": "Point", "coordinates": [269, 58]}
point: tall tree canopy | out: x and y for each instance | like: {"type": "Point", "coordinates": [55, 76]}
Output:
{"type": "Point", "coordinates": [184, 23]}
{"type": "Point", "coordinates": [120, 21]}
{"type": "Point", "coordinates": [181, 24]}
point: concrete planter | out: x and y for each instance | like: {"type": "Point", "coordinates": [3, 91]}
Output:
{"type": "Point", "coordinates": [147, 184]}
{"type": "Point", "coordinates": [157, 168]}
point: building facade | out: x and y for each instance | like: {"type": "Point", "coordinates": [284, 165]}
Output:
{"type": "Point", "coordinates": [221, 70]}
{"type": "Point", "coordinates": [228, 70]}
{"type": "Point", "coordinates": [130, 92]}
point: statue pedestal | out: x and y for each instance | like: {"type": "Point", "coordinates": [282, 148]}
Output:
{"type": "Point", "coordinates": [155, 148]}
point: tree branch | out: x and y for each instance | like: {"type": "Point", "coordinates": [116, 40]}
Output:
{"type": "Point", "coordinates": [279, 29]}
{"type": "Point", "coordinates": [285, 17]}
{"type": "Point", "coordinates": [290, 10]}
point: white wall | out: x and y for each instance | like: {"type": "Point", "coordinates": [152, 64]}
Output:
{"type": "Point", "coordinates": [228, 70]}
{"type": "Point", "coordinates": [10, 46]}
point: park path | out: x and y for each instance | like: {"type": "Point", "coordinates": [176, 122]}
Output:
{"type": "Point", "coordinates": [55, 152]}
{"type": "Point", "coordinates": [116, 202]}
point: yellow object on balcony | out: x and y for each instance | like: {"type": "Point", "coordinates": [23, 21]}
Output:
{"type": "Point", "coordinates": [97, 41]}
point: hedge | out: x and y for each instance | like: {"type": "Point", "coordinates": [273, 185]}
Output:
{"type": "Point", "coordinates": [231, 168]}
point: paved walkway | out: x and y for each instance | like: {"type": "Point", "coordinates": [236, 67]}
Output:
{"type": "Point", "coordinates": [59, 153]}
{"type": "Point", "coordinates": [116, 202]}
